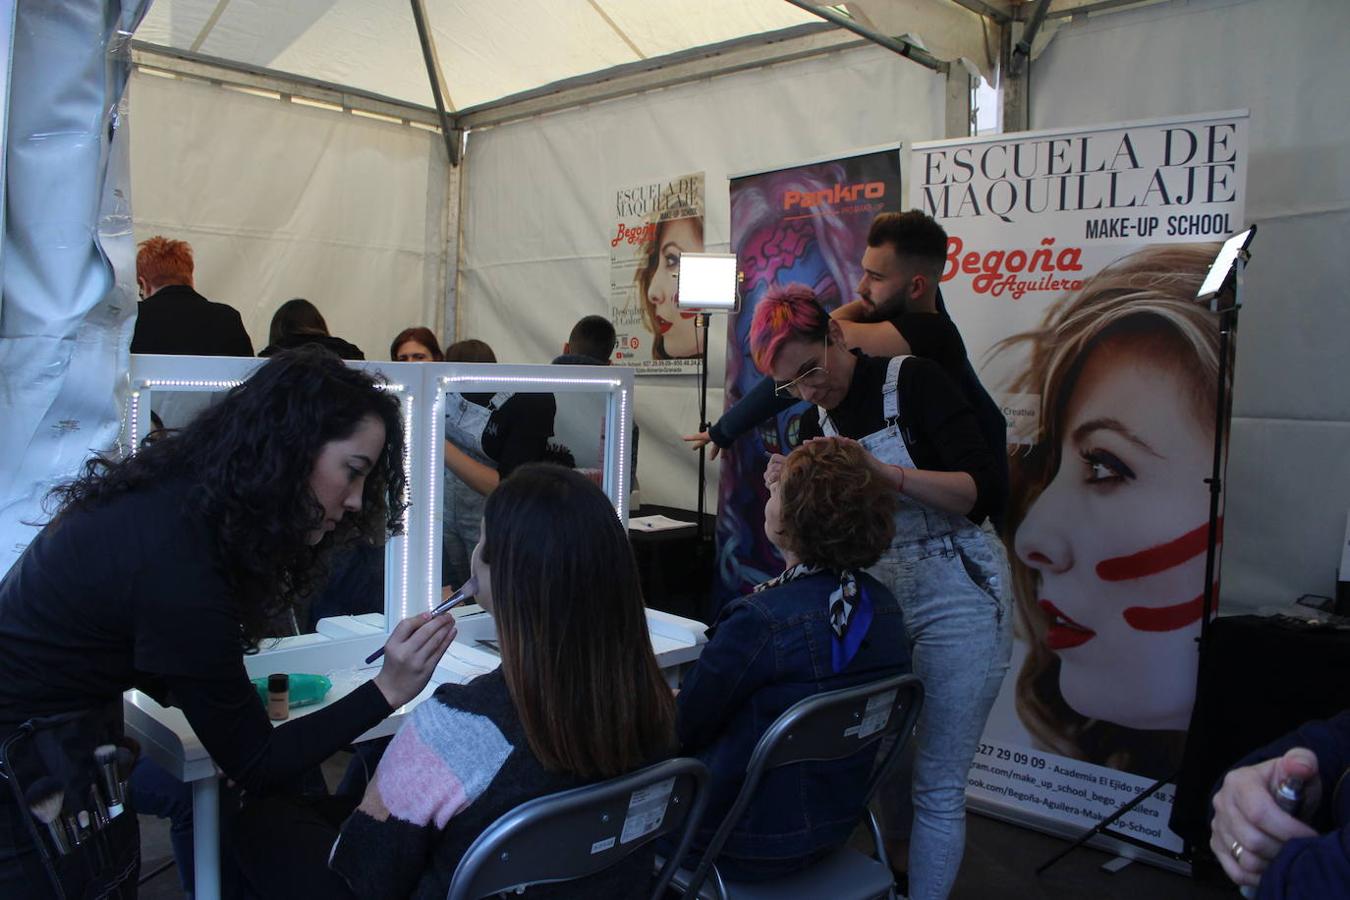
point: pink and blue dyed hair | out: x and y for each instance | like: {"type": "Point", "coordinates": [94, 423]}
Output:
{"type": "Point", "coordinates": [785, 313]}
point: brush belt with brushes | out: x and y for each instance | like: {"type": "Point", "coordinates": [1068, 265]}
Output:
{"type": "Point", "coordinates": [68, 775]}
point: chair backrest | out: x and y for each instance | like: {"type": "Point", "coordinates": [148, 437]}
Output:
{"type": "Point", "coordinates": [829, 726]}
{"type": "Point", "coordinates": [584, 830]}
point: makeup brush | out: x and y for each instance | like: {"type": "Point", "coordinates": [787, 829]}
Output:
{"type": "Point", "coordinates": [45, 797]}
{"type": "Point", "coordinates": [463, 595]}
{"type": "Point", "coordinates": [125, 762]}
{"type": "Point", "coordinates": [106, 757]}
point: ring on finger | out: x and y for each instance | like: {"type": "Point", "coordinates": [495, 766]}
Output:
{"type": "Point", "coordinates": [1236, 848]}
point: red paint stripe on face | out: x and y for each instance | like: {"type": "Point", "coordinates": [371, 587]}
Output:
{"type": "Point", "coordinates": [1165, 618]}
{"type": "Point", "coordinates": [1157, 559]}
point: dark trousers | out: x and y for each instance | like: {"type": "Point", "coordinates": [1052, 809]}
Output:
{"type": "Point", "coordinates": [283, 844]}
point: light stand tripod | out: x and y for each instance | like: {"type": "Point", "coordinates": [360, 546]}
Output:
{"type": "Point", "coordinates": [702, 322]}
{"type": "Point", "coordinates": [708, 283]}
{"type": "Point", "coordinates": [1226, 301]}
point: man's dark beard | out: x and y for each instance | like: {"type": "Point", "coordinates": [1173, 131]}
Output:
{"type": "Point", "coordinates": [888, 310]}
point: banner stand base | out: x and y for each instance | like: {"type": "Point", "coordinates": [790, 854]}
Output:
{"type": "Point", "coordinates": [1105, 842]}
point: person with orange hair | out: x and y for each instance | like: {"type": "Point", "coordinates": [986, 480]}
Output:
{"type": "Point", "coordinates": [172, 317]}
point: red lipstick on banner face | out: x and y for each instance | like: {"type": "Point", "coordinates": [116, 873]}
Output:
{"type": "Point", "coordinates": [687, 315]}
{"type": "Point", "coordinates": [1165, 618]}
{"type": "Point", "coordinates": [1158, 559]}
{"type": "Point", "coordinates": [663, 324]}
{"type": "Point", "coordinates": [1064, 632]}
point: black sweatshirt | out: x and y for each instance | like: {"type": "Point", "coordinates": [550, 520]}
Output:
{"type": "Point", "coordinates": [129, 594]}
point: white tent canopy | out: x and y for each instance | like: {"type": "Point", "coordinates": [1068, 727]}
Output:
{"type": "Point", "coordinates": [490, 49]}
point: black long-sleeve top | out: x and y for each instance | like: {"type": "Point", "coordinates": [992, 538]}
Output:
{"type": "Point", "coordinates": [936, 422]}
{"type": "Point", "coordinates": [129, 594]}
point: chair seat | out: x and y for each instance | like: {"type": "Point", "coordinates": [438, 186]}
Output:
{"type": "Point", "coordinates": [845, 874]}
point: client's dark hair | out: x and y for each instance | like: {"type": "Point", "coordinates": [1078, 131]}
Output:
{"type": "Point", "coordinates": [297, 316]}
{"type": "Point", "coordinates": [470, 350]}
{"type": "Point", "coordinates": [835, 511]}
{"type": "Point", "coordinates": [247, 460]}
{"type": "Point", "coordinates": [572, 627]}
{"type": "Point", "coordinates": [592, 336]}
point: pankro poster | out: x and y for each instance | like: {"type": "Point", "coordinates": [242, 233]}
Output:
{"type": "Point", "coordinates": [806, 223]}
{"type": "Point", "coordinates": [655, 223]}
{"type": "Point", "coordinates": [1074, 257]}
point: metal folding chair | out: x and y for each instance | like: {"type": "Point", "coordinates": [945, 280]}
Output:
{"type": "Point", "coordinates": [829, 726]}
{"type": "Point", "coordinates": [585, 830]}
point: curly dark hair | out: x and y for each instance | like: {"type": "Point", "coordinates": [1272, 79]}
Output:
{"type": "Point", "coordinates": [836, 512]}
{"type": "Point", "coordinates": [247, 461]}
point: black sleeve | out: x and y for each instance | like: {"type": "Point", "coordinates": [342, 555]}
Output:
{"type": "Point", "coordinates": [948, 430]}
{"type": "Point", "coordinates": [232, 725]}
{"type": "Point", "coordinates": [188, 636]}
{"type": "Point", "coordinates": [759, 404]}
{"type": "Point", "coordinates": [526, 423]}
{"type": "Point", "coordinates": [934, 337]}
{"type": "Point", "coordinates": [242, 345]}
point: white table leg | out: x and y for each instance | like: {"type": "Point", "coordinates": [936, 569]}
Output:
{"type": "Point", "coordinates": [206, 837]}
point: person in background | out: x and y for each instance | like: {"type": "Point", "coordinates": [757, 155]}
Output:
{"type": "Point", "coordinates": [578, 698]}
{"type": "Point", "coordinates": [823, 624]}
{"type": "Point", "coordinates": [172, 317]}
{"type": "Point", "coordinates": [1299, 855]}
{"type": "Point", "coordinates": [416, 344]}
{"type": "Point", "coordinates": [161, 569]}
{"type": "Point", "coordinates": [487, 436]}
{"type": "Point", "coordinates": [591, 343]}
{"type": "Point", "coordinates": [298, 322]}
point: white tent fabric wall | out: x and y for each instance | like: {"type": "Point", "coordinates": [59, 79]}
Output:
{"type": "Point", "coordinates": [281, 200]}
{"type": "Point", "coordinates": [538, 199]}
{"type": "Point", "coordinates": [1288, 483]}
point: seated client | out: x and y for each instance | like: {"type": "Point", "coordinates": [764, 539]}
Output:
{"type": "Point", "coordinates": [578, 697]}
{"type": "Point", "coordinates": [823, 624]}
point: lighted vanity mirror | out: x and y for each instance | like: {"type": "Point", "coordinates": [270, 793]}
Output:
{"type": "Point", "coordinates": [495, 418]}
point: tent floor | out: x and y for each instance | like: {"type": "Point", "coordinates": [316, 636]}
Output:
{"type": "Point", "coordinates": [1000, 859]}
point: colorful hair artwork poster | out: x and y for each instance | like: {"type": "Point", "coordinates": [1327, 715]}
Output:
{"type": "Point", "coordinates": [655, 223]}
{"type": "Point", "coordinates": [1074, 258]}
{"type": "Point", "coordinates": [803, 224]}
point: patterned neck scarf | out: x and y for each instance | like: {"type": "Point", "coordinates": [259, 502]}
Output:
{"type": "Point", "coordinates": [849, 606]}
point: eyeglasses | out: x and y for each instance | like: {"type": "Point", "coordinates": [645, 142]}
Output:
{"type": "Point", "coordinates": [812, 377]}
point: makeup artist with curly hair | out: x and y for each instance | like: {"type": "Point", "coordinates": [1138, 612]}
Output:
{"type": "Point", "coordinates": [160, 570]}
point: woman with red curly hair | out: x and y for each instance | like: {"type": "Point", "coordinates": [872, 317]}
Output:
{"type": "Point", "coordinates": [821, 625]}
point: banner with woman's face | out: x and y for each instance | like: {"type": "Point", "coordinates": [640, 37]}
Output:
{"type": "Point", "coordinates": [1074, 259]}
{"type": "Point", "coordinates": [655, 224]}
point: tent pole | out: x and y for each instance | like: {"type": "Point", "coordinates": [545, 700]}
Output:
{"type": "Point", "coordinates": [901, 46]}
{"type": "Point", "coordinates": [449, 132]}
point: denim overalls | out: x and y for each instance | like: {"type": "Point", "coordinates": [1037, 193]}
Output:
{"type": "Point", "coordinates": [462, 509]}
{"type": "Point", "coordinates": [952, 582]}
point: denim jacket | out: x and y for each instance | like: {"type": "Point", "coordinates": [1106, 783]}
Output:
{"type": "Point", "coordinates": [766, 652]}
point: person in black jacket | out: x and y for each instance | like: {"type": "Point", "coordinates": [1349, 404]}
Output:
{"type": "Point", "coordinates": [174, 318]}
{"type": "Point", "coordinates": [159, 570]}
{"type": "Point", "coordinates": [298, 322]}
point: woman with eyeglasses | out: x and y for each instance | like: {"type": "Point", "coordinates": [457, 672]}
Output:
{"type": "Point", "coordinates": [949, 575]}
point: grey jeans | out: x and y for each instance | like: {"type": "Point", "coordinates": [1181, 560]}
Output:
{"type": "Point", "coordinates": [954, 592]}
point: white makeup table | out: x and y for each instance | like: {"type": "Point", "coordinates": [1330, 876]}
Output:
{"type": "Point", "coordinates": [338, 649]}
